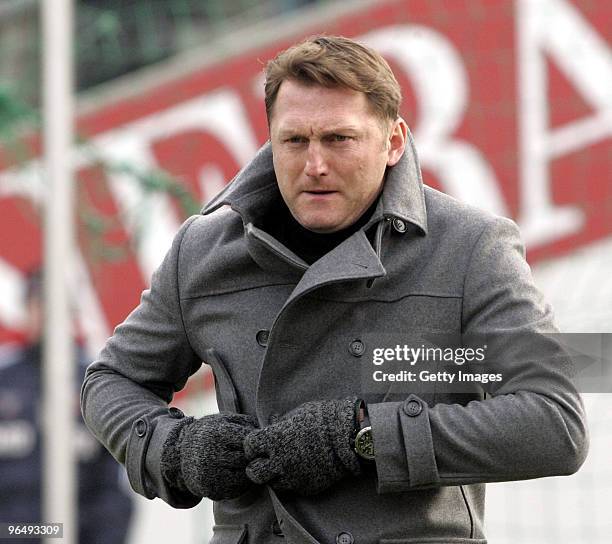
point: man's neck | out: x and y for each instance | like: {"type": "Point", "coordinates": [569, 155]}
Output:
{"type": "Point", "coordinates": [309, 245]}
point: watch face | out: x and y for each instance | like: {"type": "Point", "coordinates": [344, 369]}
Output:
{"type": "Point", "coordinates": [364, 445]}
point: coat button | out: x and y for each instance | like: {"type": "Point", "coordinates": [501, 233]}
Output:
{"type": "Point", "coordinates": [356, 348]}
{"type": "Point", "coordinates": [344, 538]}
{"type": "Point", "coordinates": [262, 337]}
{"type": "Point", "coordinates": [276, 528]}
{"type": "Point", "coordinates": [176, 413]}
{"type": "Point", "coordinates": [141, 427]}
{"type": "Point", "coordinates": [413, 408]}
{"type": "Point", "coordinates": [399, 225]}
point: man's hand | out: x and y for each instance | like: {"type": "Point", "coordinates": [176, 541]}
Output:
{"type": "Point", "coordinates": [307, 451]}
{"type": "Point", "coordinates": [206, 458]}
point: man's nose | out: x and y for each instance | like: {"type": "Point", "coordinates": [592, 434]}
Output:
{"type": "Point", "coordinates": [316, 164]}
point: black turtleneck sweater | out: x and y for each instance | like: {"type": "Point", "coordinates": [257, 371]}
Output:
{"type": "Point", "coordinates": [309, 245]}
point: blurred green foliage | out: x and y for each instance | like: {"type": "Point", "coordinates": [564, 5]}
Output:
{"type": "Point", "coordinates": [115, 37]}
{"type": "Point", "coordinates": [18, 120]}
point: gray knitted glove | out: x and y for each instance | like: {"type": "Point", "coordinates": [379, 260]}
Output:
{"type": "Point", "coordinates": [306, 451]}
{"type": "Point", "coordinates": [205, 457]}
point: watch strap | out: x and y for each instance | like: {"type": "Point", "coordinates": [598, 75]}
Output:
{"type": "Point", "coordinates": [362, 421]}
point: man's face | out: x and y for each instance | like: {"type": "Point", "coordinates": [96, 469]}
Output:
{"type": "Point", "coordinates": [330, 153]}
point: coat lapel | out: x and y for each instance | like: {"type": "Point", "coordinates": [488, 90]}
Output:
{"type": "Point", "coordinates": [353, 259]}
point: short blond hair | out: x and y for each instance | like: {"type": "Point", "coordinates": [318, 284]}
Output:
{"type": "Point", "coordinates": [336, 61]}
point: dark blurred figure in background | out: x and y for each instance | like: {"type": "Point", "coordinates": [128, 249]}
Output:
{"type": "Point", "coordinates": [104, 502]}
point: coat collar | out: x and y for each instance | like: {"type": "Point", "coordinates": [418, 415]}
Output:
{"type": "Point", "coordinates": [250, 190]}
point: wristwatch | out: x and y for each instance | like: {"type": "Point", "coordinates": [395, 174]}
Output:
{"type": "Point", "coordinates": [363, 442]}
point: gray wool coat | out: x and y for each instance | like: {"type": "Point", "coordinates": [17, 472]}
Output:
{"type": "Point", "coordinates": [278, 333]}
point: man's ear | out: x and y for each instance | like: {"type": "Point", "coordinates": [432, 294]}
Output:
{"type": "Point", "coordinates": [397, 141]}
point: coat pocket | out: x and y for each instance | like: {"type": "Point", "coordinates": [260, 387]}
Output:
{"type": "Point", "coordinates": [227, 399]}
{"type": "Point", "coordinates": [433, 540]}
{"type": "Point", "coordinates": [229, 534]}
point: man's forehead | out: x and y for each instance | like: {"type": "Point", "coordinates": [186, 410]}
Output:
{"type": "Point", "coordinates": [292, 94]}
{"type": "Point", "coordinates": [298, 106]}
{"type": "Point", "coordinates": [325, 126]}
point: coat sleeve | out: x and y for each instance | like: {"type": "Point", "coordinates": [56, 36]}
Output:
{"type": "Point", "coordinates": [530, 426]}
{"type": "Point", "coordinates": [126, 391]}
{"type": "Point", "coordinates": [103, 492]}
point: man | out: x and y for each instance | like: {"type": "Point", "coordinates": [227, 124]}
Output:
{"type": "Point", "coordinates": [105, 507]}
{"type": "Point", "coordinates": [324, 248]}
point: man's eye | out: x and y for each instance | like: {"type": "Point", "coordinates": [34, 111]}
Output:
{"type": "Point", "coordinates": [295, 140]}
{"type": "Point", "coordinates": [340, 138]}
